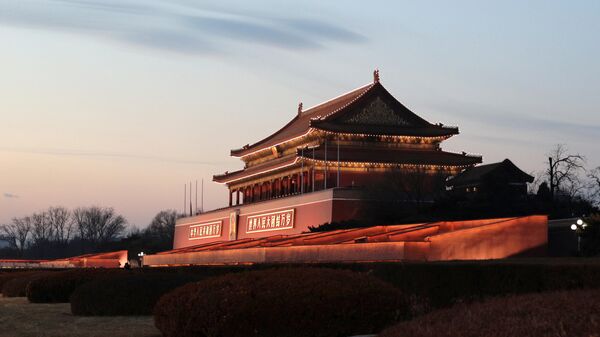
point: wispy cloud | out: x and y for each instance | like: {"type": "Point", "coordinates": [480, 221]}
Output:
{"type": "Point", "coordinates": [98, 154]}
{"type": "Point", "coordinates": [10, 195]}
{"type": "Point", "coordinates": [173, 25]}
{"type": "Point", "coordinates": [517, 122]}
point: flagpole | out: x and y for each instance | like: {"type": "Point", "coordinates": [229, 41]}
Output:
{"type": "Point", "coordinates": [302, 172]}
{"type": "Point", "coordinates": [338, 164]}
{"type": "Point", "coordinates": [313, 170]}
{"type": "Point", "coordinates": [325, 182]}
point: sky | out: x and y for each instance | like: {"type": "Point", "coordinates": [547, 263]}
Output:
{"type": "Point", "coordinates": [120, 103]}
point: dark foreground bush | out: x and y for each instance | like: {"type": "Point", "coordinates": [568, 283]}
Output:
{"type": "Point", "coordinates": [7, 276]}
{"type": "Point", "coordinates": [443, 284]}
{"type": "Point", "coordinates": [58, 287]}
{"type": "Point", "coordinates": [568, 313]}
{"type": "Point", "coordinates": [283, 302]}
{"type": "Point", "coordinates": [17, 286]}
{"type": "Point", "coordinates": [125, 294]}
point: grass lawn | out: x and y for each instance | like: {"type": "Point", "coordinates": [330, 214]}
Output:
{"type": "Point", "coordinates": [19, 318]}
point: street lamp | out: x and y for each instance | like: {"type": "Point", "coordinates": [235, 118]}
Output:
{"type": "Point", "coordinates": [579, 226]}
{"type": "Point", "coordinates": [141, 258]}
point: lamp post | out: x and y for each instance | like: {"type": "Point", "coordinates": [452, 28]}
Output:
{"type": "Point", "coordinates": [579, 227]}
{"type": "Point", "coordinates": [141, 258]}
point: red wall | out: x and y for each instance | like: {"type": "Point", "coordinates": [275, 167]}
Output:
{"type": "Point", "coordinates": [310, 209]}
{"type": "Point", "coordinates": [458, 240]}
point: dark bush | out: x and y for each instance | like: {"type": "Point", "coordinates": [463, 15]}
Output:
{"type": "Point", "coordinates": [287, 302]}
{"type": "Point", "coordinates": [58, 287]}
{"type": "Point", "coordinates": [7, 276]}
{"type": "Point", "coordinates": [125, 294]}
{"type": "Point", "coordinates": [17, 286]}
{"type": "Point", "coordinates": [443, 284]}
{"type": "Point", "coordinates": [568, 313]}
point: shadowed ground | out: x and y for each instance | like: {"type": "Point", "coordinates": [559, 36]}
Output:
{"type": "Point", "coordinates": [19, 318]}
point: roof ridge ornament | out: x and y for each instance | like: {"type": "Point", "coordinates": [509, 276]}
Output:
{"type": "Point", "coordinates": [299, 108]}
{"type": "Point", "coordinates": [376, 76]}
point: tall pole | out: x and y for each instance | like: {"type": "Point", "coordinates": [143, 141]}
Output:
{"type": "Point", "coordinates": [184, 198]}
{"type": "Point", "coordinates": [338, 163]}
{"type": "Point", "coordinates": [196, 199]}
{"type": "Point", "coordinates": [191, 198]}
{"type": "Point", "coordinates": [202, 197]}
{"type": "Point", "coordinates": [302, 172]}
{"type": "Point", "coordinates": [325, 182]}
{"type": "Point", "coordinates": [313, 170]}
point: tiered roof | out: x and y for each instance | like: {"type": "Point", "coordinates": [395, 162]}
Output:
{"type": "Point", "coordinates": [369, 110]}
{"type": "Point", "coordinates": [324, 116]}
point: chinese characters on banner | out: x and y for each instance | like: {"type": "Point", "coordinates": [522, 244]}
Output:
{"type": "Point", "coordinates": [206, 230]}
{"type": "Point", "coordinates": [270, 221]}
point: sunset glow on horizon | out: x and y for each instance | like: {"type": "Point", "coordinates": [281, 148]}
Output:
{"type": "Point", "coordinates": [121, 103]}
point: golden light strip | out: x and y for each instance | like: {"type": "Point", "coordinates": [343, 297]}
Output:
{"type": "Point", "coordinates": [377, 164]}
{"type": "Point", "coordinates": [426, 139]}
{"type": "Point", "coordinates": [259, 173]}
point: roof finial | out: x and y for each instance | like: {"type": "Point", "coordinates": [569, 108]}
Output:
{"type": "Point", "coordinates": [376, 76]}
{"type": "Point", "coordinates": [299, 108]}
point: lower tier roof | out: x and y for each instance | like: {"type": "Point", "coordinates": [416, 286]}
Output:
{"type": "Point", "coordinates": [353, 155]}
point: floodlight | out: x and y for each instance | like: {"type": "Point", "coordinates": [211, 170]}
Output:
{"type": "Point", "coordinates": [574, 227]}
{"type": "Point", "coordinates": [579, 222]}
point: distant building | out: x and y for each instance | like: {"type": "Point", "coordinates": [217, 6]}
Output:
{"type": "Point", "coordinates": [499, 178]}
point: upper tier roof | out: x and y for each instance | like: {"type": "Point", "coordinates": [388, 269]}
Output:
{"type": "Point", "coordinates": [327, 116]}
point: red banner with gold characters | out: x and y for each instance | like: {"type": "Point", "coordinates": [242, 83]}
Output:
{"type": "Point", "coordinates": [206, 230]}
{"type": "Point", "coordinates": [270, 221]}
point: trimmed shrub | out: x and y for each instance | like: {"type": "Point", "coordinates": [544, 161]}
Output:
{"type": "Point", "coordinates": [282, 302]}
{"type": "Point", "coordinates": [7, 276]}
{"type": "Point", "coordinates": [568, 313]}
{"type": "Point", "coordinates": [440, 285]}
{"type": "Point", "coordinates": [17, 286]}
{"type": "Point", "coordinates": [58, 287]}
{"type": "Point", "coordinates": [125, 294]}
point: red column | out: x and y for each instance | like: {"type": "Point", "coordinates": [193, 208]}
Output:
{"type": "Point", "coordinates": [230, 201]}
{"type": "Point", "coordinates": [280, 186]}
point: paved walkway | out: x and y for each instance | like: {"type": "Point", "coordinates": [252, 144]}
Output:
{"type": "Point", "coordinates": [19, 318]}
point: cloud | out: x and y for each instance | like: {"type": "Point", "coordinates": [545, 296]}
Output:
{"type": "Point", "coordinates": [10, 195]}
{"type": "Point", "coordinates": [172, 25]}
{"type": "Point", "coordinates": [97, 154]}
{"type": "Point", "coordinates": [515, 122]}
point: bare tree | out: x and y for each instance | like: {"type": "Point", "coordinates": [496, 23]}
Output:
{"type": "Point", "coordinates": [563, 170]}
{"type": "Point", "coordinates": [41, 229]}
{"type": "Point", "coordinates": [17, 233]}
{"type": "Point", "coordinates": [163, 225]}
{"type": "Point", "coordinates": [594, 184]}
{"type": "Point", "coordinates": [97, 224]}
{"type": "Point", "coordinates": [61, 222]}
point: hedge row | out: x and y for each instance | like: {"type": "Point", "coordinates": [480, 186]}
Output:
{"type": "Point", "coordinates": [7, 276]}
{"type": "Point", "coordinates": [58, 287]}
{"type": "Point", "coordinates": [17, 286]}
{"type": "Point", "coordinates": [573, 313]}
{"type": "Point", "coordinates": [125, 294]}
{"type": "Point", "coordinates": [285, 302]}
{"type": "Point", "coordinates": [443, 284]}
